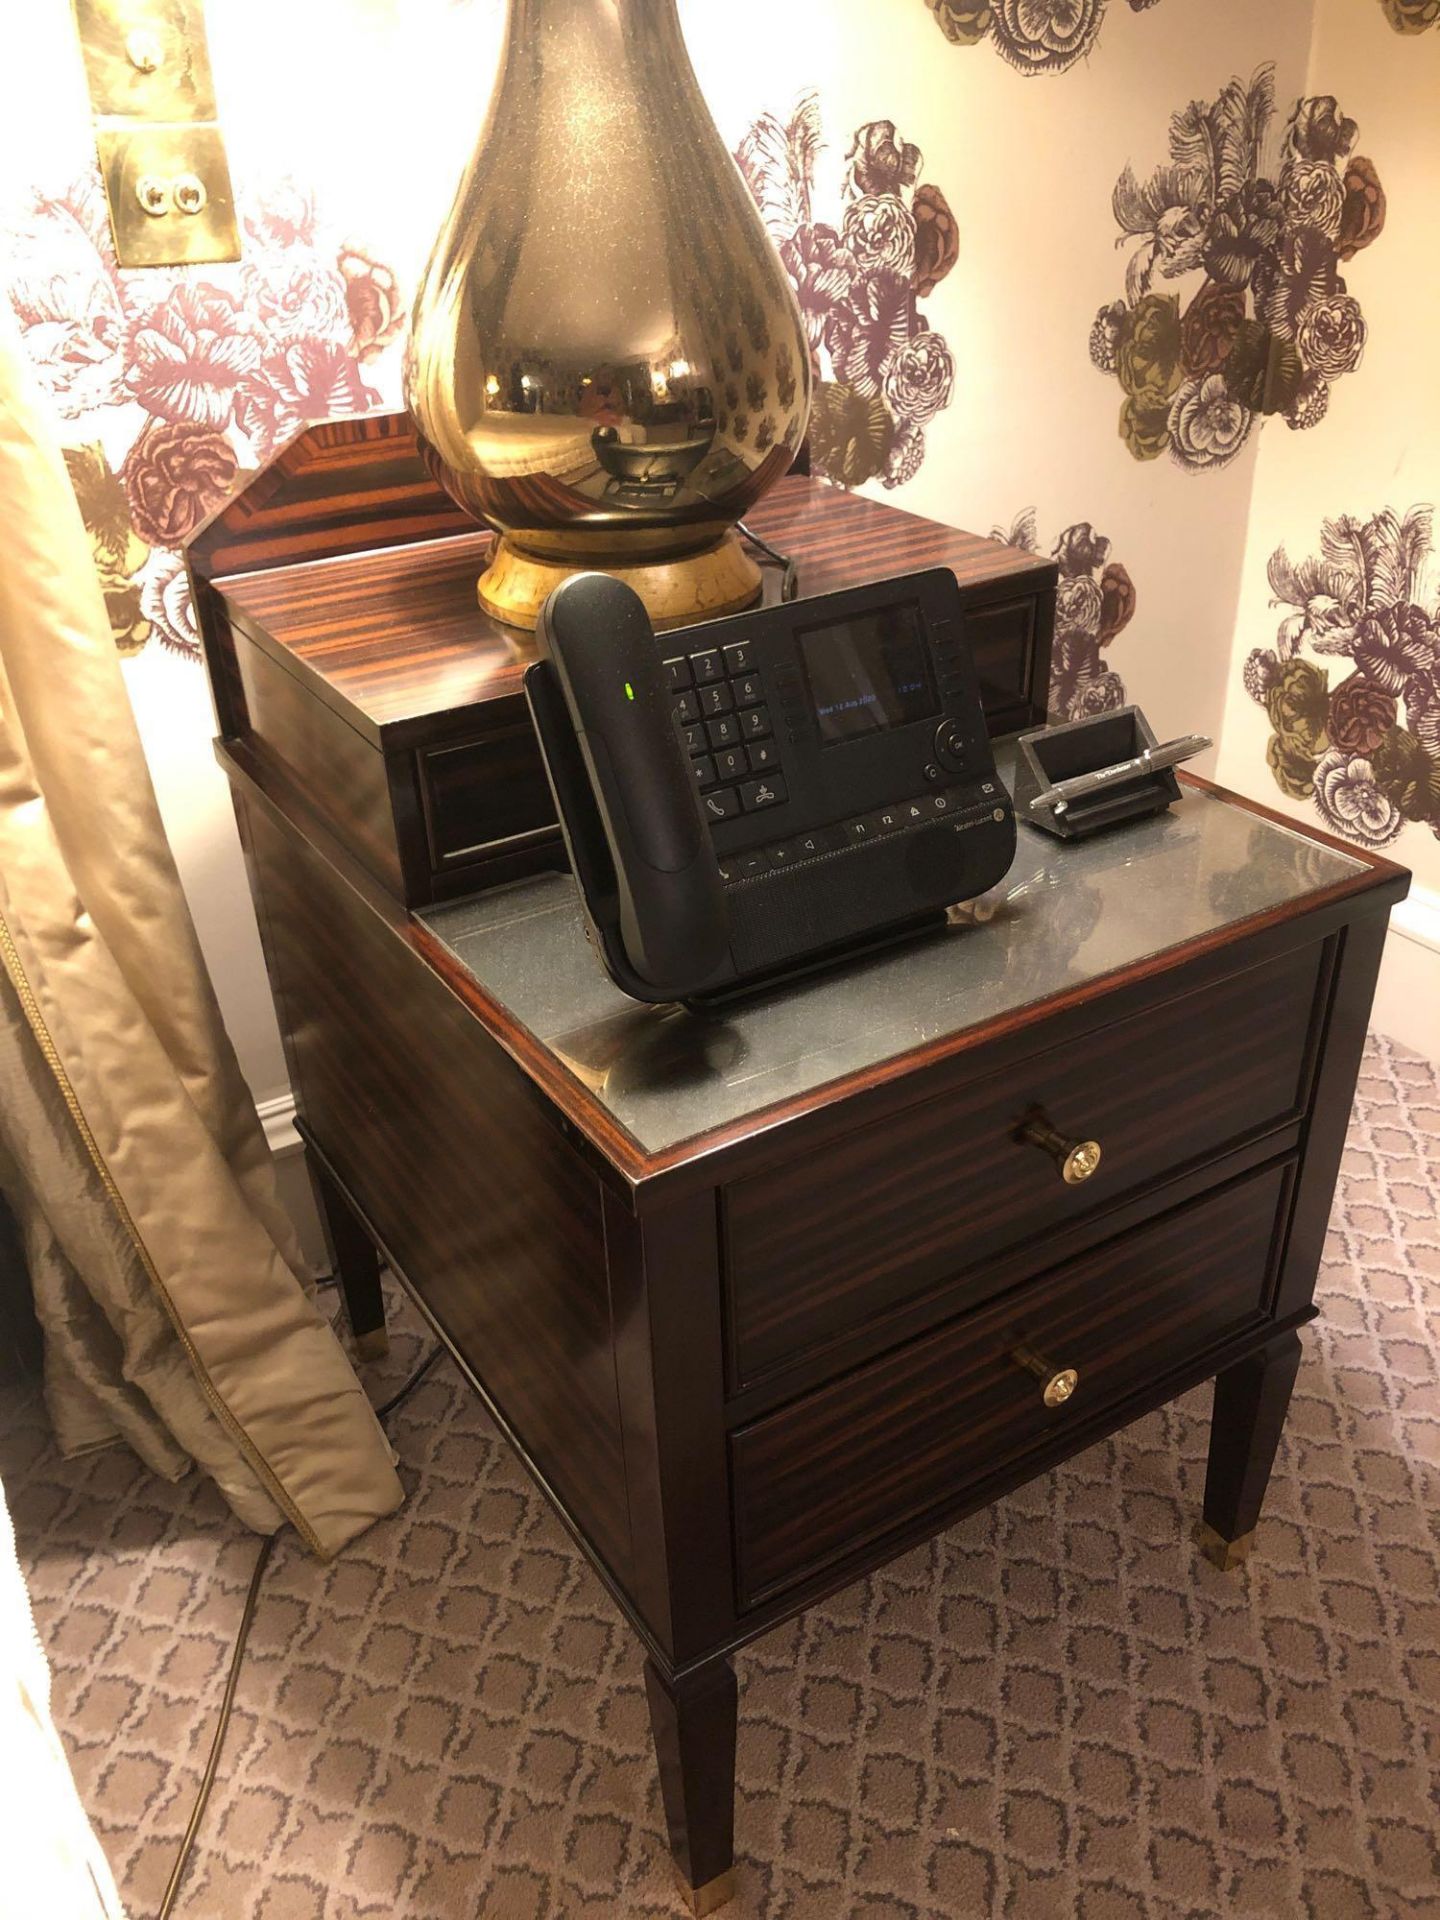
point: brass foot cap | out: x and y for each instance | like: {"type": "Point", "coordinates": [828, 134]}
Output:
{"type": "Point", "coordinates": [713, 1895]}
{"type": "Point", "coordinates": [1221, 1553]}
{"type": "Point", "coordinates": [373, 1345]}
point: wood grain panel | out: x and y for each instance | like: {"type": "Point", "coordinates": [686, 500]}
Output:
{"type": "Point", "coordinates": [342, 776]}
{"type": "Point", "coordinates": [820, 1246]}
{"type": "Point", "coordinates": [495, 1221]}
{"type": "Point", "coordinates": [483, 795]}
{"type": "Point", "coordinates": [843, 1467]}
{"type": "Point", "coordinates": [398, 641]}
{"type": "Point", "coordinates": [335, 487]}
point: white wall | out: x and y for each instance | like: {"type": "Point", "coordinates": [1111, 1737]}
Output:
{"type": "Point", "coordinates": [1378, 447]}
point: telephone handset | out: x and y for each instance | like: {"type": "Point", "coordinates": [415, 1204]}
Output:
{"type": "Point", "coordinates": [745, 797]}
{"type": "Point", "coordinates": [637, 838]}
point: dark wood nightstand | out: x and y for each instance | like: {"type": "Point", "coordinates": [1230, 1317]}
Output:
{"type": "Point", "coordinates": [763, 1298]}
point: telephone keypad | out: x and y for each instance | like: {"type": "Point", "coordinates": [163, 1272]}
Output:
{"type": "Point", "coordinates": [726, 727]}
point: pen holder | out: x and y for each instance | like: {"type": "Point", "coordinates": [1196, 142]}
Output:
{"type": "Point", "coordinates": [1084, 775]}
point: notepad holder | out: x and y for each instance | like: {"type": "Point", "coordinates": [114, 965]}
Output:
{"type": "Point", "coordinates": [1084, 775]}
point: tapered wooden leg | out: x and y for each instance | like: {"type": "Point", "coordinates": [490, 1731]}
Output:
{"type": "Point", "coordinates": [693, 1723]}
{"type": "Point", "coordinates": [357, 1267]}
{"type": "Point", "coordinates": [1250, 1404]}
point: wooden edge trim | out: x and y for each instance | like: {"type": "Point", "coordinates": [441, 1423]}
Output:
{"type": "Point", "coordinates": [1017, 1020]}
{"type": "Point", "coordinates": [571, 1096]}
{"type": "Point", "coordinates": [636, 1164]}
{"type": "Point", "coordinates": [1377, 862]}
{"type": "Point", "coordinates": [639, 1165]}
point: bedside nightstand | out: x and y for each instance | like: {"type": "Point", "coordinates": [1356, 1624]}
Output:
{"type": "Point", "coordinates": [763, 1298]}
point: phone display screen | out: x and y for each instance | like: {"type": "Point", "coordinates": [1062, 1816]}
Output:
{"type": "Point", "coordinates": [869, 673]}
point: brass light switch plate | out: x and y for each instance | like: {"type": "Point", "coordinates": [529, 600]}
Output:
{"type": "Point", "coordinates": [181, 173]}
{"type": "Point", "coordinates": [162, 155]}
{"type": "Point", "coordinates": [146, 59]}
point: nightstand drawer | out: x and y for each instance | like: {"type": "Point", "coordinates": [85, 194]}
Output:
{"type": "Point", "coordinates": [485, 797]}
{"type": "Point", "coordinates": [880, 1218]}
{"type": "Point", "coordinates": [834, 1472]}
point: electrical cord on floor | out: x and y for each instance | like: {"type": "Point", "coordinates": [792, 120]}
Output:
{"type": "Point", "coordinates": [382, 1413]}
{"type": "Point", "coordinates": [247, 1616]}
{"type": "Point", "coordinates": [212, 1765]}
{"type": "Point", "coordinates": [789, 572]}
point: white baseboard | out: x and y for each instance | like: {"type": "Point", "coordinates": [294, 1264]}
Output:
{"type": "Point", "coordinates": [1407, 998]}
{"type": "Point", "coordinates": [277, 1117]}
{"type": "Point", "coordinates": [292, 1176]}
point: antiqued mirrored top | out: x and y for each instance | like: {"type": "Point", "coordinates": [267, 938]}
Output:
{"type": "Point", "coordinates": [1065, 915]}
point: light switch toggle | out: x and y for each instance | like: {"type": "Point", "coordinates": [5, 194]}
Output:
{"type": "Point", "coordinates": [185, 193]}
{"type": "Point", "coordinates": [144, 50]}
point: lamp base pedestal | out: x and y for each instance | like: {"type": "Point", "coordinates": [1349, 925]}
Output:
{"type": "Point", "coordinates": [701, 586]}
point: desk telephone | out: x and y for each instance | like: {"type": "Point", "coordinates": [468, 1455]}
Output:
{"type": "Point", "coordinates": [748, 797]}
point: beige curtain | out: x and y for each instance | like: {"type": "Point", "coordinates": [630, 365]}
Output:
{"type": "Point", "coordinates": [163, 1265]}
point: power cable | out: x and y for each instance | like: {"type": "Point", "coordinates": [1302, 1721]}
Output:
{"type": "Point", "coordinates": [789, 574]}
{"type": "Point", "coordinates": [247, 1616]}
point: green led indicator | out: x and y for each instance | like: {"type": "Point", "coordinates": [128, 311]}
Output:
{"type": "Point", "coordinates": [629, 691]}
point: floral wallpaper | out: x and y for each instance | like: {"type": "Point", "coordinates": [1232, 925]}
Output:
{"type": "Point", "coordinates": [1094, 604]}
{"type": "Point", "coordinates": [1411, 16]}
{"type": "Point", "coordinates": [882, 372]}
{"type": "Point", "coordinates": [1365, 749]}
{"type": "Point", "coordinates": [1265, 323]}
{"type": "Point", "coordinates": [171, 381]}
{"type": "Point", "coordinates": [1037, 36]}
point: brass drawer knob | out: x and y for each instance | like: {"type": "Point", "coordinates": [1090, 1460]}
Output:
{"type": "Point", "coordinates": [1075, 1159]}
{"type": "Point", "coordinates": [1058, 1384]}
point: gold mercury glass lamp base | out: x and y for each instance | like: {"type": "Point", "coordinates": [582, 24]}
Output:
{"type": "Point", "coordinates": [699, 586]}
{"type": "Point", "coordinates": [607, 363]}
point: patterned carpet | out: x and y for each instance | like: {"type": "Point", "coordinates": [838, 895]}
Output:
{"type": "Point", "coordinates": [1056, 1709]}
